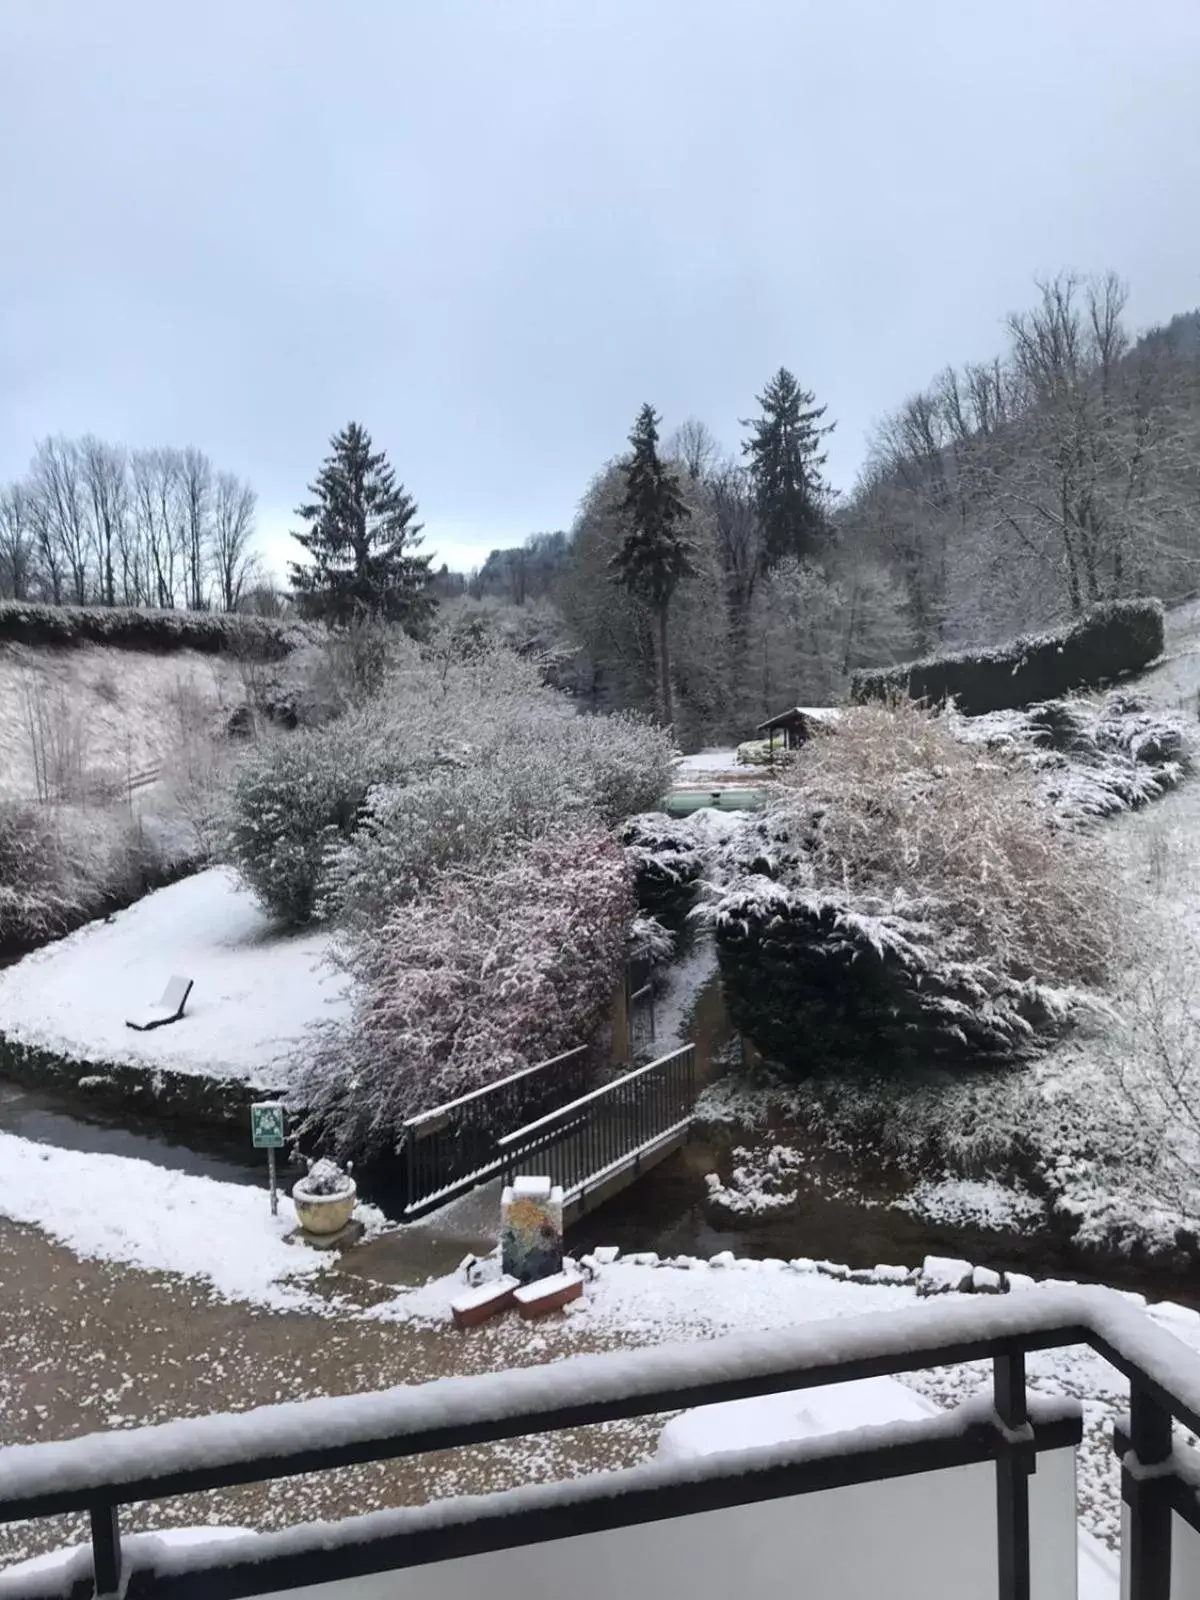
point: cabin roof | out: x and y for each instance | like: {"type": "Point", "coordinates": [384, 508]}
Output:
{"type": "Point", "coordinates": [800, 714]}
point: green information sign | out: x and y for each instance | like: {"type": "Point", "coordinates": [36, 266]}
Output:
{"type": "Point", "coordinates": [266, 1125]}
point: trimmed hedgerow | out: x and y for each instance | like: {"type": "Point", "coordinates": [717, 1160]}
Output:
{"type": "Point", "coordinates": [1117, 637]}
{"type": "Point", "coordinates": [212, 632]}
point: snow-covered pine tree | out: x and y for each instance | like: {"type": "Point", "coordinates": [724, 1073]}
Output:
{"type": "Point", "coordinates": [785, 465]}
{"type": "Point", "coordinates": [362, 540]}
{"type": "Point", "coordinates": [655, 553]}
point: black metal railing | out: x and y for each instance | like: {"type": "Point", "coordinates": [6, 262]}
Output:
{"type": "Point", "coordinates": [577, 1144]}
{"type": "Point", "coordinates": [103, 1473]}
{"type": "Point", "coordinates": [453, 1147]}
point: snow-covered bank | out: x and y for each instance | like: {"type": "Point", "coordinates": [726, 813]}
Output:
{"type": "Point", "coordinates": [255, 990]}
{"type": "Point", "coordinates": [112, 1208]}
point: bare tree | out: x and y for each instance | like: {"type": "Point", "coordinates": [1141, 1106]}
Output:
{"type": "Point", "coordinates": [195, 492]}
{"type": "Point", "coordinates": [155, 475]}
{"type": "Point", "coordinates": [232, 533]}
{"type": "Point", "coordinates": [17, 544]}
{"type": "Point", "coordinates": [695, 445]}
{"type": "Point", "coordinates": [56, 481]}
{"type": "Point", "coordinates": [104, 472]}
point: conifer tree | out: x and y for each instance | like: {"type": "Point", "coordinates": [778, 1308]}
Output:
{"type": "Point", "coordinates": [362, 540]}
{"type": "Point", "coordinates": [785, 466]}
{"type": "Point", "coordinates": [655, 554]}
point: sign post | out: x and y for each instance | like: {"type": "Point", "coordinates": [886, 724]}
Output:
{"type": "Point", "coordinates": [266, 1132]}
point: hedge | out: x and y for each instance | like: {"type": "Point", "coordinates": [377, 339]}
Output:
{"type": "Point", "coordinates": [212, 632]}
{"type": "Point", "coordinates": [815, 987]}
{"type": "Point", "coordinates": [1117, 637]}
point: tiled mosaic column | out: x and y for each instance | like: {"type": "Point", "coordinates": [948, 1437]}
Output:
{"type": "Point", "coordinates": [531, 1229]}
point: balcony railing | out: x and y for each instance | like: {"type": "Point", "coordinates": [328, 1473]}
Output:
{"type": "Point", "coordinates": [103, 1473]}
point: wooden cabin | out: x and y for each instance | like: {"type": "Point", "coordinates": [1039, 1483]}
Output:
{"type": "Point", "coordinates": [798, 724]}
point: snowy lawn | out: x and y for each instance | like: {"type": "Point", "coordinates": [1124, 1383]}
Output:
{"type": "Point", "coordinates": [255, 993]}
{"type": "Point", "coordinates": [112, 1208]}
{"type": "Point", "coordinates": [724, 761]}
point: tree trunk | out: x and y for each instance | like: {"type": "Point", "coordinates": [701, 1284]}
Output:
{"type": "Point", "coordinates": [664, 670]}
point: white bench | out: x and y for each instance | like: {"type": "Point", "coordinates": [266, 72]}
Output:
{"type": "Point", "coordinates": [168, 1009]}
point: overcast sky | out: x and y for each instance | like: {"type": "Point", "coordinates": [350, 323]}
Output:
{"type": "Point", "coordinates": [489, 229]}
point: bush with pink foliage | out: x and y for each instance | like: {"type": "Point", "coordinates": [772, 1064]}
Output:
{"type": "Point", "coordinates": [500, 964]}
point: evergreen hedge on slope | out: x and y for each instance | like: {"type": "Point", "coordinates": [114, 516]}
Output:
{"type": "Point", "coordinates": [211, 632]}
{"type": "Point", "coordinates": [1114, 638]}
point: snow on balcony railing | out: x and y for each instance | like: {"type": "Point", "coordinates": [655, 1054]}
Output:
{"type": "Point", "coordinates": [103, 1472]}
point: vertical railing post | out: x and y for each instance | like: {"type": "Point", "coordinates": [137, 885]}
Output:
{"type": "Point", "coordinates": [1012, 1478]}
{"type": "Point", "coordinates": [106, 1549]}
{"type": "Point", "coordinates": [1147, 1499]}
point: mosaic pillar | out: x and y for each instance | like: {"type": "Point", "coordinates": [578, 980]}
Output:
{"type": "Point", "coordinates": [531, 1229]}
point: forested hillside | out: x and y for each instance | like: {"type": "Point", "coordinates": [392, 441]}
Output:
{"type": "Point", "coordinates": [1006, 495]}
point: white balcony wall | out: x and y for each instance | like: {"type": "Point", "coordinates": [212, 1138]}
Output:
{"type": "Point", "coordinates": [927, 1537]}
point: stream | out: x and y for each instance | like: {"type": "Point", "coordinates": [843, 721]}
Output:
{"type": "Point", "coordinates": [667, 1211]}
{"type": "Point", "coordinates": [72, 1123]}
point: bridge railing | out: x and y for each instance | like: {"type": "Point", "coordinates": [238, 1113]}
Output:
{"type": "Point", "coordinates": [452, 1147]}
{"type": "Point", "coordinates": [578, 1143]}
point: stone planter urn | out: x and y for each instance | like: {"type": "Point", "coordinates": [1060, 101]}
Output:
{"type": "Point", "coordinates": [324, 1198]}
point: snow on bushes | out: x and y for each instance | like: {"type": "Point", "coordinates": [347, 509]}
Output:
{"type": "Point", "coordinates": [905, 894]}
{"type": "Point", "coordinates": [671, 855]}
{"type": "Point", "coordinates": [1116, 637]}
{"type": "Point", "coordinates": [499, 965]}
{"type": "Point", "coordinates": [1093, 760]}
{"type": "Point", "coordinates": [454, 756]}
{"type": "Point", "coordinates": [61, 865]}
{"type": "Point", "coordinates": [292, 799]}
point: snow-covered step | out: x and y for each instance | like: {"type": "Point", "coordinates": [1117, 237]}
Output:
{"type": "Point", "coordinates": [548, 1294]}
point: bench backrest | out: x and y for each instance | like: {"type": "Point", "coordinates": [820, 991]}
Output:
{"type": "Point", "coordinates": [176, 993]}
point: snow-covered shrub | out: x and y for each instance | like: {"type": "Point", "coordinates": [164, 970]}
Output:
{"type": "Point", "coordinates": [60, 866]}
{"type": "Point", "coordinates": [1116, 637]}
{"type": "Point", "coordinates": [499, 965]}
{"type": "Point", "coordinates": [624, 763]}
{"type": "Point", "coordinates": [756, 753]}
{"type": "Point", "coordinates": [668, 859]}
{"type": "Point", "coordinates": [1092, 759]}
{"type": "Point", "coordinates": [352, 664]}
{"type": "Point", "coordinates": [292, 798]}
{"type": "Point", "coordinates": [649, 940]}
{"type": "Point", "coordinates": [905, 894]}
{"type": "Point", "coordinates": [412, 829]}
{"type": "Point", "coordinates": [454, 755]}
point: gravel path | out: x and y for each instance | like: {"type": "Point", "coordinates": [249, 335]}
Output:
{"type": "Point", "coordinates": [88, 1345]}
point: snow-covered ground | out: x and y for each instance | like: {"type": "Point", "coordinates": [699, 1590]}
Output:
{"type": "Point", "coordinates": [712, 761]}
{"type": "Point", "coordinates": [222, 1235]}
{"type": "Point", "coordinates": [255, 993]}
{"type": "Point", "coordinates": [114, 1208]}
{"type": "Point", "coordinates": [107, 713]}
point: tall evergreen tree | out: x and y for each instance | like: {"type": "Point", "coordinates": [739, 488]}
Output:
{"type": "Point", "coordinates": [655, 553]}
{"type": "Point", "coordinates": [362, 540]}
{"type": "Point", "coordinates": [785, 466]}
